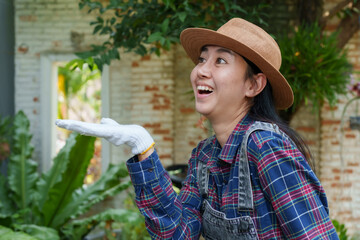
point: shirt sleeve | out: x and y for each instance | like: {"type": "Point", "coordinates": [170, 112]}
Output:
{"type": "Point", "coordinates": [293, 189]}
{"type": "Point", "coordinates": [167, 215]}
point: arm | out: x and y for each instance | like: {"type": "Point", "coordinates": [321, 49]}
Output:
{"type": "Point", "coordinates": [293, 189]}
{"type": "Point", "coordinates": [167, 215]}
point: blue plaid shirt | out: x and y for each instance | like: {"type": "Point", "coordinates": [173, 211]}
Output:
{"type": "Point", "coordinates": [289, 201]}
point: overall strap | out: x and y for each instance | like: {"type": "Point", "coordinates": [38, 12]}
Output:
{"type": "Point", "coordinates": [202, 174]}
{"type": "Point", "coordinates": [245, 190]}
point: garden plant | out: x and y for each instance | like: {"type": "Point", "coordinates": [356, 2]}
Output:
{"type": "Point", "coordinates": [51, 205]}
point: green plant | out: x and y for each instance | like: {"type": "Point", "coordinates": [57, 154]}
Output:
{"type": "Point", "coordinates": [5, 133]}
{"type": "Point", "coordinates": [148, 26]}
{"type": "Point", "coordinates": [8, 234]}
{"type": "Point", "coordinates": [314, 66]}
{"type": "Point", "coordinates": [45, 206]}
{"type": "Point", "coordinates": [340, 229]}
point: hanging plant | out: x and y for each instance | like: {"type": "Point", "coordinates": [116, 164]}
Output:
{"type": "Point", "coordinates": [314, 66]}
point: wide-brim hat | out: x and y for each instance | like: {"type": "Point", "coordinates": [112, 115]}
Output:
{"type": "Point", "coordinates": [251, 42]}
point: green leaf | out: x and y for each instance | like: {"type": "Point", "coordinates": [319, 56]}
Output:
{"type": "Point", "coordinates": [109, 184]}
{"type": "Point", "coordinates": [165, 26]}
{"type": "Point", "coordinates": [39, 232]}
{"type": "Point", "coordinates": [157, 36]}
{"type": "Point", "coordinates": [97, 29]}
{"type": "Point", "coordinates": [55, 173]}
{"type": "Point", "coordinates": [6, 208]}
{"type": "Point", "coordinates": [22, 170]}
{"type": "Point", "coordinates": [77, 159]}
{"type": "Point", "coordinates": [78, 228]}
{"type": "Point", "coordinates": [182, 16]}
{"type": "Point", "coordinates": [8, 234]}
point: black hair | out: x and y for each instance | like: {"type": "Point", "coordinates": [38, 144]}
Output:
{"type": "Point", "coordinates": [264, 109]}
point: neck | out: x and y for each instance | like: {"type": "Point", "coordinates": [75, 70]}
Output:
{"type": "Point", "coordinates": [224, 127]}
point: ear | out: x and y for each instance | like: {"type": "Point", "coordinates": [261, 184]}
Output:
{"type": "Point", "coordinates": [256, 85]}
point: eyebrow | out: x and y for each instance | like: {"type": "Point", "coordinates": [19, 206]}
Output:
{"type": "Point", "coordinates": [219, 50]}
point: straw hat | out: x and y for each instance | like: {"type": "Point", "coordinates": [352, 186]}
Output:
{"type": "Point", "coordinates": [251, 42]}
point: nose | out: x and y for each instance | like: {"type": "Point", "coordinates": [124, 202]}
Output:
{"type": "Point", "coordinates": [204, 70]}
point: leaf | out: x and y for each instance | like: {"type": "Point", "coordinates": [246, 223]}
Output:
{"type": "Point", "coordinates": [77, 158]}
{"type": "Point", "coordinates": [165, 26]}
{"type": "Point", "coordinates": [39, 232]}
{"type": "Point", "coordinates": [157, 36]}
{"type": "Point", "coordinates": [6, 208]}
{"type": "Point", "coordinates": [22, 170]}
{"type": "Point", "coordinates": [8, 234]}
{"type": "Point", "coordinates": [55, 173]}
{"type": "Point", "coordinates": [182, 16]}
{"type": "Point", "coordinates": [97, 28]}
{"type": "Point", "coordinates": [109, 184]}
{"type": "Point", "coordinates": [78, 228]}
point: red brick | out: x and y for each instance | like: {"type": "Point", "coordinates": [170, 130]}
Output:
{"type": "Point", "coordinates": [330, 122]}
{"type": "Point", "coordinates": [187, 110]}
{"type": "Point", "coordinates": [146, 58]}
{"type": "Point", "coordinates": [306, 129]}
{"type": "Point", "coordinates": [135, 64]}
{"type": "Point", "coordinates": [151, 88]}
{"type": "Point", "coordinates": [168, 139]}
{"type": "Point", "coordinates": [152, 125]}
{"type": "Point", "coordinates": [350, 136]}
{"type": "Point", "coordinates": [161, 107]}
{"type": "Point", "coordinates": [163, 156]}
{"type": "Point", "coordinates": [353, 164]}
{"type": "Point", "coordinates": [161, 131]}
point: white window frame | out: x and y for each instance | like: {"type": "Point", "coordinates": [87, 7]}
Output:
{"type": "Point", "coordinates": [48, 98]}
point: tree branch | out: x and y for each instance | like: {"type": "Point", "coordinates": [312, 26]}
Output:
{"type": "Point", "coordinates": [332, 12]}
{"type": "Point", "coordinates": [348, 26]}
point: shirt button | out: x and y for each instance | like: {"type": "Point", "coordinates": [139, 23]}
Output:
{"type": "Point", "coordinates": [225, 182]}
{"type": "Point", "coordinates": [150, 170]}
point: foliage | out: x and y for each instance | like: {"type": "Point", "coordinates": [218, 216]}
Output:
{"type": "Point", "coordinates": [340, 229]}
{"type": "Point", "coordinates": [45, 206]}
{"type": "Point", "coordinates": [71, 81]}
{"type": "Point", "coordinates": [147, 26]}
{"type": "Point", "coordinates": [313, 65]}
{"type": "Point", "coordinates": [5, 133]}
{"type": "Point", "coordinates": [8, 234]}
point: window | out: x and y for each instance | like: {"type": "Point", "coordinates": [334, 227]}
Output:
{"type": "Point", "coordinates": [71, 102]}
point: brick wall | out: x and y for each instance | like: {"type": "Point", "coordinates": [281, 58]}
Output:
{"type": "Point", "coordinates": [339, 148]}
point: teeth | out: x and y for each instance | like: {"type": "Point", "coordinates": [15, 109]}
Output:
{"type": "Point", "coordinates": [204, 88]}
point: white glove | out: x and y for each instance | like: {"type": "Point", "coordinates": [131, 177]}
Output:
{"type": "Point", "coordinates": [134, 136]}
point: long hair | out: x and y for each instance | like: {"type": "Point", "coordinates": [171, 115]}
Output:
{"type": "Point", "coordinates": [263, 109]}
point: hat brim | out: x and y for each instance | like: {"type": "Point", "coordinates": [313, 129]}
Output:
{"type": "Point", "coordinates": [193, 39]}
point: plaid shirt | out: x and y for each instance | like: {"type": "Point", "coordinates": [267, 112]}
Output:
{"type": "Point", "coordinates": [289, 201]}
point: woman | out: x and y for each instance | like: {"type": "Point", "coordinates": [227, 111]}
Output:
{"type": "Point", "coordinates": [251, 180]}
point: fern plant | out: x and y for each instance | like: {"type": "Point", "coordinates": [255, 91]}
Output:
{"type": "Point", "coordinates": [46, 205]}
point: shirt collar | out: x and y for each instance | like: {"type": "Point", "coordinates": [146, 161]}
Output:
{"type": "Point", "coordinates": [229, 151]}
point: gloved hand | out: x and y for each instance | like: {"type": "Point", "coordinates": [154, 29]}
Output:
{"type": "Point", "coordinates": [134, 136]}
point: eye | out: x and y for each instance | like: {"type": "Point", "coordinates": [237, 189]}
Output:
{"type": "Point", "coordinates": [220, 61]}
{"type": "Point", "coordinates": [201, 60]}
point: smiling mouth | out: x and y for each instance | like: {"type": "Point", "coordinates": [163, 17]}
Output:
{"type": "Point", "coordinates": [204, 90]}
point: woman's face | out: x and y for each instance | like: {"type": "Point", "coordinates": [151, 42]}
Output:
{"type": "Point", "coordinates": [219, 85]}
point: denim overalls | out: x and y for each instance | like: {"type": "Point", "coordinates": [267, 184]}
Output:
{"type": "Point", "coordinates": [215, 225]}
